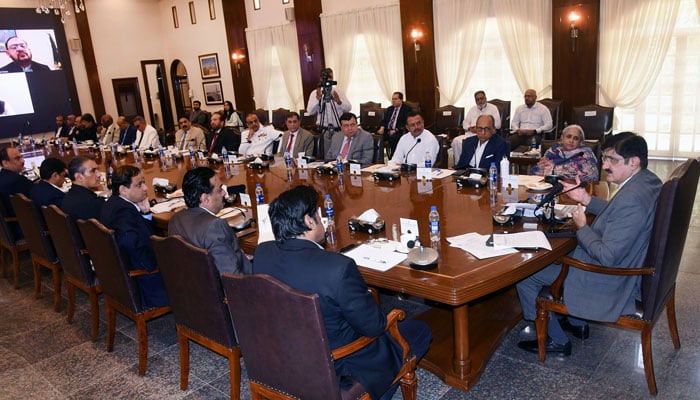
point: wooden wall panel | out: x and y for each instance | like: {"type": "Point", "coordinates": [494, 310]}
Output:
{"type": "Point", "coordinates": [98, 103]}
{"type": "Point", "coordinates": [574, 72]}
{"type": "Point", "coordinates": [419, 67]}
{"type": "Point", "coordinates": [236, 22]}
{"type": "Point", "coordinates": [308, 23]}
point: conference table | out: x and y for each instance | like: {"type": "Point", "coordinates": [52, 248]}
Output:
{"type": "Point", "coordinates": [473, 302]}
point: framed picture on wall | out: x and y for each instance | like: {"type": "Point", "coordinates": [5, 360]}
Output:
{"type": "Point", "coordinates": [209, 66]}
{"type": "Point", "coordinates": [213, 92]}
{"type": "Point", "coordinates": [176, 23]}
{"type": "Point", "coordinates": [212, 10]}
{"type": "Point", "coordinates": [193, 16]}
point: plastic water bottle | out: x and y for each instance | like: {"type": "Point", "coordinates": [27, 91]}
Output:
{"type": "Point", "coordinates": [434, 222]}
{"type": "Point", "coordinates": [193, 160]}
{"type": "Point", "coordinates": [428, 160]}
{"type": "Point", "coordinates": [339, 164]}
{"type": "Point", "coordinates": [328, 206]}
{"type": "Point", "coordinates": [136, 155]}
{"type": "Point", "coordinates": [224, 155]}
{"type": "Point", "coordinates": [330, 229]}
{"type": "Point", "coordinates": [493, 176]}
{"type": "Point", "coordinates": [75, 146]}
{"type": "Point", "coordinates": [505, 167]}
{"type": "Point", "coordinates": [113, 149]}
{"type": "Point", "coordinates": [20, 140]}
{"type": "Point", "coordinates": [110, 172]}
{"type": "Point", "coordinates": [287, 160]}
{"type": "Point", "coordinates": [259, 194]}
{"type": "Point", "coordinates": [533, 143]}
{"type": "Point", "coordinates": [161, 152]}
{"type": "Point", "coordinates": [31, 142]}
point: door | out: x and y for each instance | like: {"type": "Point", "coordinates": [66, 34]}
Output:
{"type": "Point", "coordinates": [128, 97]}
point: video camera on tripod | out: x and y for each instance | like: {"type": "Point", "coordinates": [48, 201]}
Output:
{"type": "Point", "coordinates": [326, 84]}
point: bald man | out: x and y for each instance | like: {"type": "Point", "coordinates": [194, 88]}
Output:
{"type": "Point", "coordinates": [529, 120]}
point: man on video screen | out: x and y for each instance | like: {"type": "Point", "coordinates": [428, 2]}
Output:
{"type": "Point", "coordinates": [20, 53]}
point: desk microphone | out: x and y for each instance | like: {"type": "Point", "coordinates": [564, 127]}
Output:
{"type": "Point", "coordinates": [568, 160]}
{"type": "Point", "coordinates": [557, 191]}
{"type": "Point", "coordinates": [405, 158]}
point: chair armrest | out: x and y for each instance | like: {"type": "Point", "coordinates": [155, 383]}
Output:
{"type": "Point", "coordinates": [566, 260]}
{"type": "Point", "coordinates": [392, 321]}
{"type": "Point", "coordinates": [84, 252]}
{"type": "Point", "coordinates": [141, 272]}
{"type": "Point", "coordinates": [10, 219]}
{"type": "Point", "coordinates": [374, 293]}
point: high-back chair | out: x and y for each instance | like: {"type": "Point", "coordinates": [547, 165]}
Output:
{"type": "Point", "coordinates": [504, 111]}
{"type": "Point", "coordinates": [371, 115]}
{"type": "Point", "coordinates": [197, 298]}
{"type": "Point", "coordinates": [10, 243]}
{"type": "Point", "coordinates": [596, 121]}
{"type": "Point", "coordinates": [119, 288]}
{"type": "Point", "coordinates": [75, 261]}
{"type": "Point", "coordinates": [283, 338]}
{"type": "Point", "coordinates": [671, 221]}
{"type": "Point", "coordinates": [43, 254]}
{"type": "Point", "coordinates": [448, 120]}
{"type": "Point", "coordinates": [263, 116]}
{"type": "Point", "coordinates": [556, 109]}
{"type": "Point", "coordinates": [279, 117]}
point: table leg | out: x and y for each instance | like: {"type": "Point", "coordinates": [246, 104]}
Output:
{"type": "Point", "coordinates": [461, 359]}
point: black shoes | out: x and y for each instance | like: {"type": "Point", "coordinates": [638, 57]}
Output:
{"type": "Point", "coordinates": [579, 331]}
{"type": "Point", "coordinates": [531, 346]}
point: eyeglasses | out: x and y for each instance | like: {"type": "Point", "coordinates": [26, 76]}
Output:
{"type": "Point", "coordinates": [572, 137]}
{"type": "Point", "coordinates": [611, 160]}
{"type": "Point", "coordinates": [483, 128]}
{"type": "Point", "coordinates": [17, 46]}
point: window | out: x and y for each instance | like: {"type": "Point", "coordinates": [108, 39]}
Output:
{"type": "Point", "coordinates": [668, 118]}
{"type": "Point", "coordinates": [363, 85]}
{"type": "Point", "coordinates": [277, 96]}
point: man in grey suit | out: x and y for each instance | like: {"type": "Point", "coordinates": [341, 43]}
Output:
{"type": "Point", "coordinates": [617, 238]}
{"type": "Point", "coordinates": [354, 144]}
{"type": "Point", "coordinates": [295, 140]}
{"type": "Point", "coordinates": [199, 225]}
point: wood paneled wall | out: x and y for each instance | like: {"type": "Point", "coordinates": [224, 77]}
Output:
{"type": "Point", "coordinates": [574, 72]}
{"type": "Point", "coordinates": [311, 57]}
{"type": "Point", "coordinates": [236, 22]}
{"type": "Point", "coordinates": [98, 103]}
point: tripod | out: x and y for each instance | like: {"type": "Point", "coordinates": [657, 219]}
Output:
{"type": "Point", "coordinates": [329, 121]}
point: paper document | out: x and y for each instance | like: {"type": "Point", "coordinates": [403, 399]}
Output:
{"type": "Point", "coordinates": [264, 225]}
{"type": "Point", "coordinates": [373, 258]}
{"type": "Point", "coordinates": [380, 168]}
{"type": "Point", "coordinates": [442, 173]}
{"type": "Point", "coordinates": [522, 240]}
{"type": "Point", "coordinates": [475, 244]}
{"type": "Point", "coordinates": [524, 180]}
{"type": "Point", "coordinates": [168, 206]}
{"type": "Point", "coordinates": [528, 209]}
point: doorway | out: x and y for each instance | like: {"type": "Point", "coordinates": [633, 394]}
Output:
{"type": "Point", "coordinates": [157, 94]}
{"type": "Point", "coordinates": [128, 97]}
{"type": "Point", "coordinates": [181, 88]}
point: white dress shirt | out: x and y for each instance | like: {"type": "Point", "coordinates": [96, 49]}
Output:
{"type": "Point", "coordinates": [149, 138]}
{"type": "Point", "coordinates": [474, 113]}
{"type": "Point", "coordinates": [111, 134]}
{"type": "Point", "coordinates": [536, 117]}
{"type": "Point", "coordinates": [476, 158]}
{"type": "Point", "coordinates": [428, 144]}
{"type": "Point", "coordinates": [260, 143]}
{"type": "Point", "coordinates": [313, 106]}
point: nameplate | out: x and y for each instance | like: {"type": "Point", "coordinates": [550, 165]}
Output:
{"type": "Point", "coordinates": [355, 169]}
{"type": "Point", "coordinates": [301, 163]}
{"type": "Point", "coordinates": [409, 226]}
{"type": "Point", "coordinates": [511, 180]}
{"type": "Point", "coordinates": [245, 200]}
{"type": "Point", "coordinates": [589, 113]}
{"type": "Point", "coordinates": [370, 113]}
{"type": "Point", "coordinates": [446, 113]}
{"type": "Point", "coordinates": [423, 173]}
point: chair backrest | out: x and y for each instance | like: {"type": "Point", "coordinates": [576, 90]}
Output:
{"type": "Point", "coordinates": [7, 236]}
{"type": "Point", "coordinates": [671, 221]}
{"type": "Point", "coordinates": [504, 111]}
{"type": "Point", "coordinates": [282, 336]}
{"type": "Point", "coordinates": [308, 122]}
{"type": "Point", "coordinates": [279, 117]}
{"type": "Point", "coordinates": [556, 110]}
{"type": "Point", "coordinates": [194, 289]}
{"type": "Point", "coordinates": [68, 243]}
{"type": "Point", "coordinates": [596, 121]}
{"type": "Point", "coordinates": [378, 155]}
{"type": "Point", "coordinates": [109, 264]}
{"type": "Point", "coordinates": [371, 116]}
{"type": "Point", "coordinates": [441, 159]}
{"type": "Point", "coordinates": [263, 116]}
{"type": "Point", "coordinates": [448, 119]}
{"type": "Point", "coordinates": [33, 227]}
{"type": "Point", "coordinates": [415, 106]}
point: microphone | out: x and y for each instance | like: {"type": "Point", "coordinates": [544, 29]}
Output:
{"type": "Point", "coordinates": [568, 160]}
{"type": "Point", "coordinates": [405, 158]}
{"type": "Point", "coordinates": [557, 191]}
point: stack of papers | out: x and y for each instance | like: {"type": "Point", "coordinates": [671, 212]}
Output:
{"type": "Point", "coordinates": [475, 244]}
{"type": "Point", "coordinates": [168, 206]}
{"type": "Point", "coordinates": [522, 240]}
{"type": "Point", "coordinates": [374, 258]}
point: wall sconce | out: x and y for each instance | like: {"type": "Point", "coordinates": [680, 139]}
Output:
{"type": "Point", "coordinates": [573, 30]}
{"type": "Point", "coordinates": [307, 55]}
{"type": "Point", "coordinates": [415, 35]}
{"type": "Point", "coordinates": [238, 57]}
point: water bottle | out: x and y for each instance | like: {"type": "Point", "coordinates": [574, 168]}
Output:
{"type": "Point", "coordinates": [533, 143]}
{"type": "Point", "coordinates": [161, 153]}
{"type": "Point", "coordinates": [113, 149]}
{"type": "Point", "coordinates": [259, 194]}
{"type": "Point", "coordinates": [434, 222]}
{"type": "Point", "coordinates": [224, 155]}
{"type": "Point", "coordinates": [493, 176]}
{"type": "Point", "coordinates": [20, 140]}
{"type": "Point", "coordinates": [136, 155]}
{"type": "Point", "coordinates": [339, 164]}
{"type": "Point", "coordinates": [328, 206]}
{"type": "Point", "coordinates": [75, 146]}
{"type": "Point", "coordinates": [193, 160]}
{"type": "Point", "coordinates": [287, 160]}
{"type": "Point", "coordinates": [31, 142]}
{"type": "Point", "coordinates": [428, 160]}
{"type": "Point", "coordinates": [505, 167]}
{"type": "Point", "coordinates": [110, 172]}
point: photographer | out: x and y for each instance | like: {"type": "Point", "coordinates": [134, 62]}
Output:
{"type": "Point", "coordinates": [329, 103]}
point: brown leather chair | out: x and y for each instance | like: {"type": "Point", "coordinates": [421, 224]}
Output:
{"type": "Point", "coordinates": [448, 120]}
{"type": "Point", "coordinates": [263, 116]}
{"type": "Point", "coordinates": [43, 252]}
{"type": "Point", "coordinates": [504, 111]}
{"type": "Point", "coordinates": [415, 106]}
{"type": "Point", "coordinates": [308, 122]}
{"type": "Point", "coordinates": [378, 157]}
{"type": "Point", "coordinates": [556, 109]}
{"type": "Point", "coordinates": [371, 115]}
{"type": "Point", "coordinates": [671, 221]}
{"type": "Point", "coordinates": [444, 142]}
{"type": "Point", "coordinates": [120, 290]}
{"type": "Point", "coordinates": [279, 117]}
{"type": "Point", "coordinates": [198, 302]}
{"type": "Point", "coordinates": [75, 261]}
{"type": "Point", "coordinates": [284, 341]}
{"type": "Point", "coordinates": [9, 243]}
{"type": "Point", "coordinates": [596, 121]}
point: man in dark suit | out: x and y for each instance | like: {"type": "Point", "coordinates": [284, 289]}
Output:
{"type": "Point", "coordinates": [481, 150]}
{"type": "Point", "coordinates": [11, 182]}
{"type": "Point", "coordinates": [295, 139]}
{"type": "Point", "coordinates": [20, 53]}
{"type": "Point", "coordinates": [127, 132]}
{"type": "Point", "coordinates": [48, 191]}
{"type": "Point", "coordinates": [81, 201]}
{"type": "Point", "coordinates": [297, 258]}
{"type": "Point", "coordinates": [393, 124]}
{"type": "Point", "coordinates": [89, 131]}
{"type": "Point", "coordinates": [221, 136]}
{"type": "Point", "coordinates": [617, 238]}
{"type": "Point", "coordinates": [198, 116]}
{"type": "Point", "coordinates": [61, 127]}
{"type": "Point", "coordinates": [354, 144]}
{"type": "Point", "coordinates": [199, 225]}
{"type": "Point", "coordinates": [128, 213]}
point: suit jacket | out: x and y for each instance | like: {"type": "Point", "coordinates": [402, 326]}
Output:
{"type": "Point", "coordinates": [133, 234]}
{"type": "Point", "coordinates": [88, 134]}
{"type": "Point", "coordinates": [194, 134]}
{"type": "Point", "coordinates": [82, 203]}
{"type": "Point", "coordinates": [127, 136]}
{"type": "Point", "coordinates": [206, 231]}
{"type": "Point", "coordinates": [45, 194]}
{"type": "Point", "coordinates": [495, 150]}
{"type": "Point", "coordinates": [13, 183]}
{"type": "Point", "coordinates": [14, 67]}
{"type": "Point", "coordinates": [226, 138]}
{"type": "Point", "coordinates": [361, 147]}
{"type": "Point", "coordinates": [400, 119]}
{"type": "Point", "coordinates": [348, 309]}
{"type": "Point", "coordinates": [61, 131]}
{"type": "Point", "coordinates": [304, 142]}
{"type": "Point", "coordinates": [200, 117]}
{"type": "Point", "coordinates": [618, 238]}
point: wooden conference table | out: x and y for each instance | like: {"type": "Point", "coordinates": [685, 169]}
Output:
{"type": "Point", "coordinates": [474, 303]}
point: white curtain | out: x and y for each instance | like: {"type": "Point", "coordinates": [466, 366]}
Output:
{"type": "Point", "coordinates": [459, 32]}
{"type": "Point", "coordinates": [634, 40]}
{"type": "Point", "coordinates": [262, 43]}
{"type": "Point", "coordinates": [381, 28]}
{"type": "Point", "coordinates": [526, 31]}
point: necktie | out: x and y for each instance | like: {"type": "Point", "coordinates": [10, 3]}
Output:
{"type": "Point", "coordinates": [394, 115]}
{"type": "Point", "coordinates": [289, 144]}
{"type": "Point", "coordinates": [346, 147]}
{"type": "Point", "coordinates": [140, 138]}
{"type": "Point", "coordinates": [184, 136]}
{"type": "Point", "coordinates": [213, 142]}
